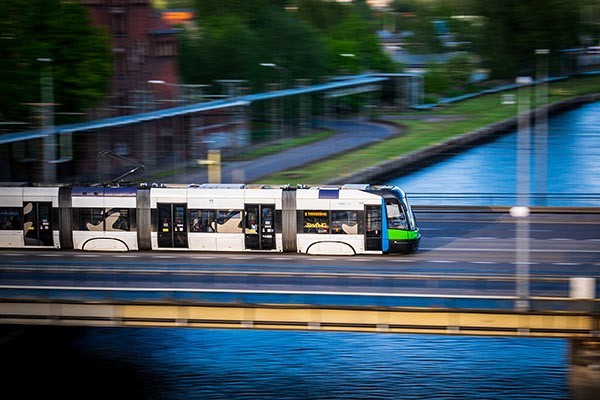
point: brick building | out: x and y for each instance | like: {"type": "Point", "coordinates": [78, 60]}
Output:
{"type": "Point", "coordinates": [144, 48]}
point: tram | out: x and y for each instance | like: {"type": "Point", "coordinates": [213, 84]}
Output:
{"type": "Point", "coordinates": [340, 220]}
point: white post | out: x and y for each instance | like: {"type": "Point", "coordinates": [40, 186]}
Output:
{"type": "Point", "coordinates": [49, 141]}
{"type": "Point", "coordinates": [541, 126]}
{"type": "Point", "coordinates": [521, 211]}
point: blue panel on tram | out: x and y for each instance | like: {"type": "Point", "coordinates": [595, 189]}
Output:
{"type": "Point", "coordinates": [329, 193]}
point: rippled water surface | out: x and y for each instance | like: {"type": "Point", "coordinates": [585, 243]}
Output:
{"type": "Point", "coordinates": [251, 364]}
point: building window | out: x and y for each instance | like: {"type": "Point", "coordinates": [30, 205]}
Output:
{"type": "Point", "coordinates": [165, 49]}
{"type": "Point", "coordinates": [118, 21]}
{"type": "Point", "coordinates": [120, 63]}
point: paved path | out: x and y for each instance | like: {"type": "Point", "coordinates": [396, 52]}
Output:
{"type": "Point", "coordinates": [351, 134]}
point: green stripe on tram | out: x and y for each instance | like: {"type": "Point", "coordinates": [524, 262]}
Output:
{"type": "Point", "coordinates": [398, 234]}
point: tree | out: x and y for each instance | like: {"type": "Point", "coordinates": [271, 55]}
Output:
{"type": "Point", "coordinates": [81, 57]}
{"type": "Point", "coordinates": [347, 29]}
{"type": "Point", "coordinates": [514, 29]}
{"type": "Point", "coordinates": [235, 36]}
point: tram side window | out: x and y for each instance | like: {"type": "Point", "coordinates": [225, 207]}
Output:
{"type": "Point", "coordinates": [202, 220]}
{"type": "Point", "coordinates": [316, 222]}
{"type": "Point", "coordinates": [117, 219]}
{"type": "Point", "coordinates": [395, 217]}
{"type": "Point", "coordinates": [89, 219]}
{"type": "Point", "coordinates": [9, 217]}
{"type": "Point", "coordinates": [344, 222]}
{"type": "Point", "coordinates": [229, 221]}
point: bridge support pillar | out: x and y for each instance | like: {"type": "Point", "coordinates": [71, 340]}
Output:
{"type": "Point", "coordinates": [585, 369]}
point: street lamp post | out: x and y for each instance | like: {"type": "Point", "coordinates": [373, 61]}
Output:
{"type": "Point", "coordinates": [49, 141]}
{"type": "Point", "coordinates": [284, 76]}
{"type": "Point", "coordinates": [541, 125]}
{"type": "Point", "coordinates": [521, 211]}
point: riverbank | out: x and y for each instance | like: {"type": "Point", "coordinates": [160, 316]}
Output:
{"type": "Point", "coordinates": [417, 159]}
{"type": "Point", "coordinates": [428, 132]}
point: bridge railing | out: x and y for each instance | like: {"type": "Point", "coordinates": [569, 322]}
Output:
{"type": "Point", "coordinates": [505, 199]}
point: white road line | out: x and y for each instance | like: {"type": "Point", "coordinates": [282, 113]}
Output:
{"type": "Point", "coordinates": [127, 256]}
{"type": "Point", "coordinates": [161, 256]}
{"type": "Point", "coordinates": [14, 254]}
{"type": "Point", "coordinates": [561, 239]}
{"type": "Point", "coordinates": [507, 250]}
{"type": "Point", "coordinates": [566, 263]}
{"type": "Point", "coordinates": [359, 259]}
{"type": "Point", "coordinates": [88, 255]}
{"type": "Point", "coordinates": [401, 260]}
{"type": "Point", "coordinates": [280, 258]}
{"type": "Point", "coordinates": [483, 262]}
{"type": "Point", "coordinates": [49, 255]}
{"type": "Point", "coordinates": [527, 263]}
{"type": "Point", "coordinates": [441, 261]}
{"type": "Point", "coordinates": [484, 238]}
{"type": "Point", "coordinates": [239, 257]}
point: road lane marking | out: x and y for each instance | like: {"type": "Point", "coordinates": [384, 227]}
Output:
{"type": "Point", "coordinates": [441, 261]}
{"type": "Point", "coordinates": [566, 263]}
{"type": "Point", "coordinates": [88, 255]}
{"type": "Point", "coordinates": [512, 250]}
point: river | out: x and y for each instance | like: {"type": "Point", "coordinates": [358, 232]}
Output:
{"type": "Point", "coordinates": [573, 165]}
{"type": "Point", "coordinates": [153, 363]}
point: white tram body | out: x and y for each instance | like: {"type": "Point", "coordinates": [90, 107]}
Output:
{"type": "Point", "coordinates": [27, 218]}
{"type": "Point", "coordinates": [344, 206]}
{"type": "Point", "coordinates": [346, 220]}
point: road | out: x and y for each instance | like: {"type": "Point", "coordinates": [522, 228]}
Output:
{"type": "Point", "coordinates": [461, 254]}
{"type": "Point", "coordinates": [351, 134]}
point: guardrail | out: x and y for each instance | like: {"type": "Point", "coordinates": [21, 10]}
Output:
{"type": "Point", "coordinates": [588, 201]}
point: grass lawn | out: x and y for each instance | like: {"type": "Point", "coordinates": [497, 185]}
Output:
{"type": "Point", "coordinates": [425, 128]}
{"type": "Point", "coordinates": [273, 148]}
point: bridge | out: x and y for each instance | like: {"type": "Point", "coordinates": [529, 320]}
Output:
{"type": "Point", "coordinates": [463, 281]}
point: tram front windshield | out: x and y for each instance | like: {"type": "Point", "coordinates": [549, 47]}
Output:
{"type": "Point", "coordinates": [399, 214]}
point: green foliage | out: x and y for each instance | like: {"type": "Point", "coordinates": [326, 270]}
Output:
{"type": "Point", "coordinates": [514, 29]}
{"type": "Point", "coordinates": [32, 29]}
{"type": "Point", "coordinates": [235, 36]}
{"type": "Point", "coordinates": [347, 29]}
{"type": "Point", "coordinates": [447, 79]}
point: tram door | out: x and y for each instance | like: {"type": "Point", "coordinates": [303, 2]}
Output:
{"type": "Point", "coordinates": [373, 228]}
{"type": "Point", "coordinates": [172, 230]}
{"type": "Point", "coordinates": [37, 223]}
{"type": "Point", "coordinates": [260, 226]}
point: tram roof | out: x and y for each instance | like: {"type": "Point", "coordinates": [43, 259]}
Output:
{"type": "Point", "coordinates": [186, 109]}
